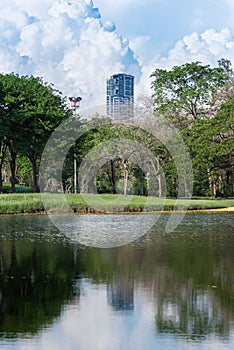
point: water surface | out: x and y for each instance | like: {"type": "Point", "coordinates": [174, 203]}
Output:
{"type": "Point", "coordinates": [171, 291]}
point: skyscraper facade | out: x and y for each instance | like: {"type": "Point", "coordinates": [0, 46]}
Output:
{"type": "Point", "coordinates": [120, 95]}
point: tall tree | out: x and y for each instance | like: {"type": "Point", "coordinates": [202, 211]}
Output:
{"type": "Point", "coordinates": [31, 109]}
{"type": "Point", "coordinates": [186, 93]}
{"type": "Point", "coordinates": [211, 144]}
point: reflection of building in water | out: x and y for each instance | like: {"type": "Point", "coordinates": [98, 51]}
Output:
{"type": "Point", "coordinates": [120, 295]}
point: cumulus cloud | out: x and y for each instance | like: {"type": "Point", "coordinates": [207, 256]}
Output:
{"type": "Point", "coordinates": [66, 43]}
{"type": "Point", "coordinates": [109, 26]}
{"type": "Point", "coordinates": [206, 48]}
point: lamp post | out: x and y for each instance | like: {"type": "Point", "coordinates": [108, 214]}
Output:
{"type": "Point", "coordinates": [147, 181]}
{"type": "Point", "coordinates": [75, 104]}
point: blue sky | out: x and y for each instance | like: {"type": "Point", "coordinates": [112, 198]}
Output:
{"type": "Point", "coordinates": [164, 21]}
{"type": "Point", "coordinates": [78, 44]}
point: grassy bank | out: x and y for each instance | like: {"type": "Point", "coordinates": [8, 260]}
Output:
{"type": "Point", "coordinates": [32, 203]}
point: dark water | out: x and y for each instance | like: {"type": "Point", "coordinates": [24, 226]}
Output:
{"type": "Point", "coordinates": [163, 291]}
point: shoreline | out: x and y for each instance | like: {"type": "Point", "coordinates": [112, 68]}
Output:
{"type": "Point", "coordinates": [121, 212]}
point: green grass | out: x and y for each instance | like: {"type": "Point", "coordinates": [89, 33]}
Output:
{"type": "Point", "coordinates": [20, 203]}
{"type": "Point", "coordinates": [32, 203]}
{"type": "Point", "coordinates": [140, 203]}
{"type": "Point", "coordinates": [19, 188]}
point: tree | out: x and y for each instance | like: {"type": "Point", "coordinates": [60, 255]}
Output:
{"type": "Point", "coordinates": [226, 66]}
{"type": "Point", "coordinates": [211, 147]}
{"type": "Point", "coordinates": [119, 157]}
{"type": "Point", "coordinates": [31, 110]}
{"type": "Point", "coordinates": [186, 93]}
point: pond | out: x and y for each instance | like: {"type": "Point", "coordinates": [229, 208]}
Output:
{"type": "Point", "coordinates": [162, 290]}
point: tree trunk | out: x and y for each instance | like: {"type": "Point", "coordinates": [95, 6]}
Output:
{"type": "Point", "coordinates": [113, 182]}
{"type": "Point", "coordinates": [33, 160]}
{"type": "Point", "coordinates": [125, 177]}
{"type": "Point", "coordinates": [13, 171]}
{"type": "Point", "coordinates": [214, 190]}
{"type": "Point", "coordinates": [159, 177]}
{"type": "Point", "coordinates": [1, 182]}
{"type": "Point", "coordinates": [187, 193]}
{"type": "Point", "coordinates": [142, 182]}
{"type": "Point", "coordinates": [210, 180]}
{"type": "Point", "coordinates": [212, 184]}
{"type": "Point", "coordinates": [1, 187]}
{"type": "Point", "coordinates": [156, 168]}
{"type": "Point", "coordinates": [2, 157]}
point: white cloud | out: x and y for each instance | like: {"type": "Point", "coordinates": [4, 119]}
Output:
{"type": "Point", "coordinates": [66, 43]}
{"type": "Point", "coordinates": [206, 48]}
{"type": "Point", "coordinates": [109, 26]}
{"type": "Point", "coordinates": [140, 46]}
{"type": "Point", "coordinates": [33, 7]}
{"type": "Point", "coordinates": [218, 42]}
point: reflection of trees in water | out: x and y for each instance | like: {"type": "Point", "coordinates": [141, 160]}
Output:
{"type": "Point", "coordinates": [192, 300]}
{"type": "Point", "coordinates": [38, 277]}
{"type": "Point", "coordinates": [36, 280]}
{"type": "Point", "coordinates": [193, 294]}
{"type": "Point", "coordinates": [190, 313]}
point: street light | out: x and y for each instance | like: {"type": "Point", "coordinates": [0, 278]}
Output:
{"type": "Point", "coordinates": [75, 104]}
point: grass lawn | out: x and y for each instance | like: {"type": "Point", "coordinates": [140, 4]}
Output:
{"type": "Point", "coordinates": [18, 188]}
{"type": "Point", "coordinates": [32, 202]}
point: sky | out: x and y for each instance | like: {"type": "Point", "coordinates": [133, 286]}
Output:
{"type": "Point", "coordinates": [77, 44]}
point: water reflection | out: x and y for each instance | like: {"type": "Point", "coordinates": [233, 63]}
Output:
{"type": "Point", "coordinates": [36, 280]}
{"type": "Point", "coordinates": [173, 290]}
{"type": "Point", "coordinates": [120, 294]}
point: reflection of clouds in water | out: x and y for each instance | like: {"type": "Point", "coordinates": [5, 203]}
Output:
{"type": "Point", "coordinates": [104, 231]}
{"type": "Point", "coordinates": [91, 324]}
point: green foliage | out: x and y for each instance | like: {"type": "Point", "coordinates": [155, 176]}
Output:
{"type": "Point", "coordinates": [24, 171]}
{"type": "Point", "coordinates": [186, 92]}
{"type": "Point", "coordinates": [199, 101]}
{"type": "Point", "coordinates": [30, 111]}
{"type": "Point", "coordinates": [211, 144]}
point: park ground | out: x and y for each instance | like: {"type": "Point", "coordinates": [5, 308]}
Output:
{"type": "Point", "coordinates": [20, 203]}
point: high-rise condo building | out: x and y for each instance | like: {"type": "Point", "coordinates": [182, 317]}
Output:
{"type": "Point", "coordinates": [120, 95]}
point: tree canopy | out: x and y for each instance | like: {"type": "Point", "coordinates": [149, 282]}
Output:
{"type": "Point", "coordinates": [187, 92]}
{"type": "Point", "coordinates": [29, 112]}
